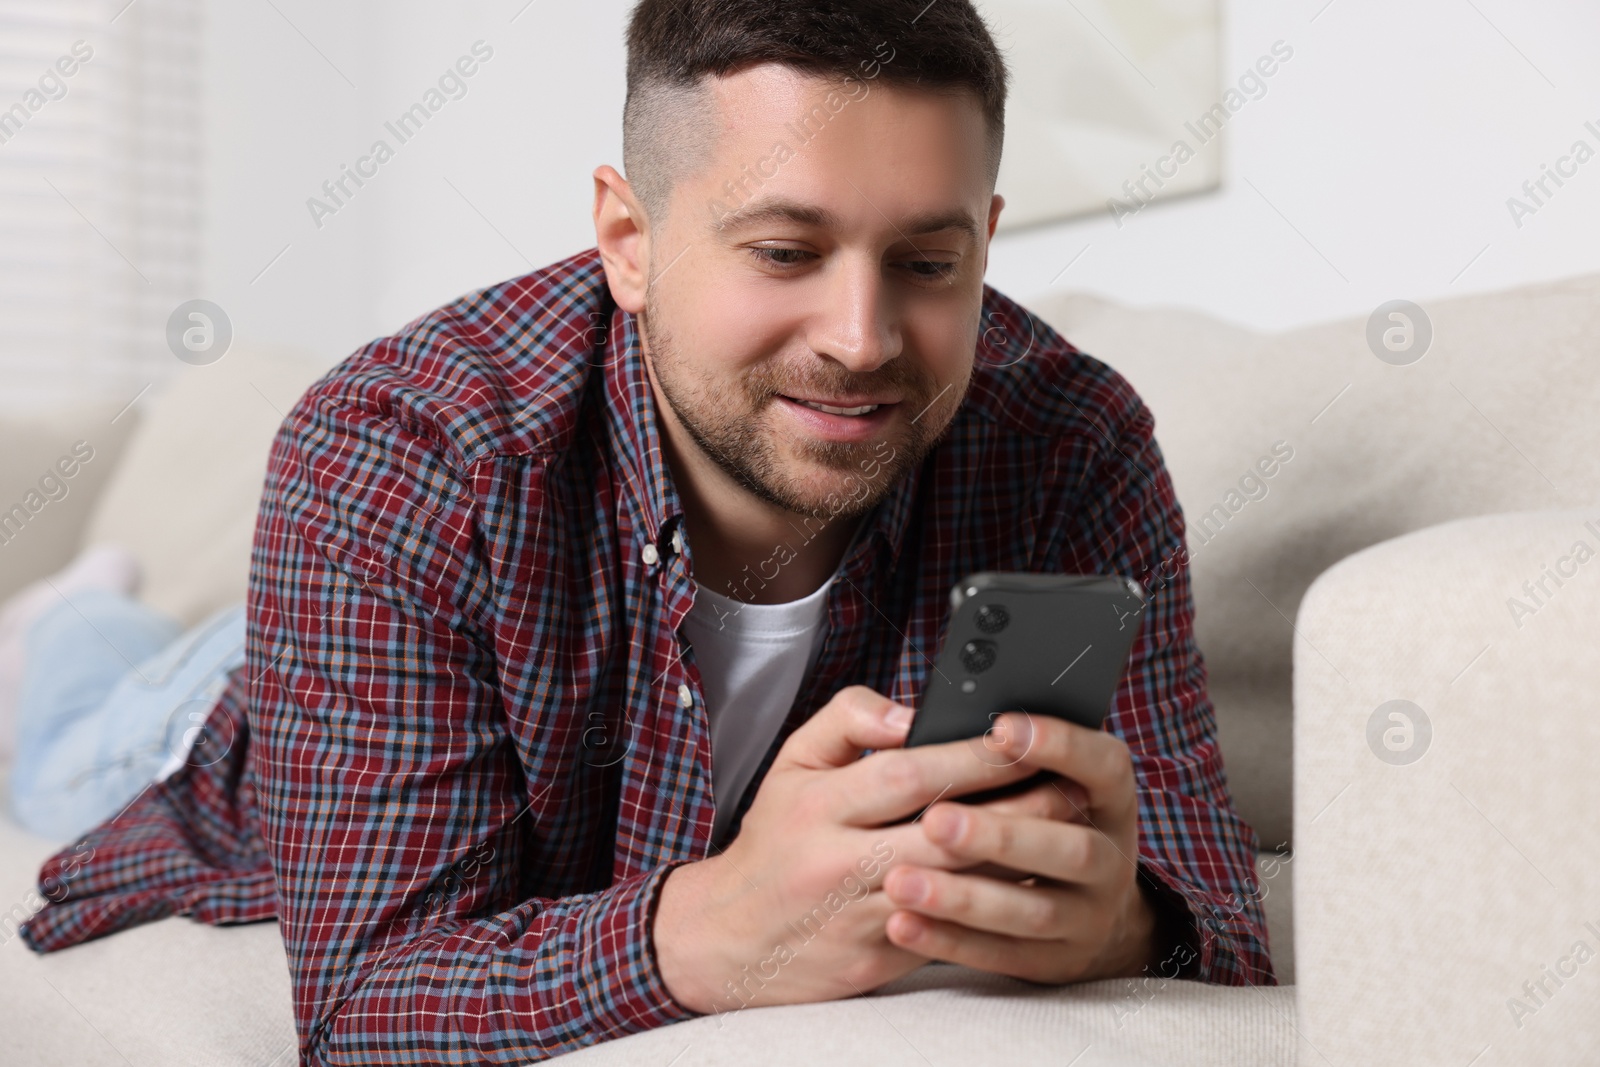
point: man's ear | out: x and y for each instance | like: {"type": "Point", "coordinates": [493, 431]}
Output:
{"type": "Point", "coordinates": [996, 204]}
{"type": "Point", "coordinates": [622, 234]}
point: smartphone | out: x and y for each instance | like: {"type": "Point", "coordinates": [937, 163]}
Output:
{"type": "Point", "coordinates": [1046, 644]}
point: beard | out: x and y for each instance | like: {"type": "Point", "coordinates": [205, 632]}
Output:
{"type": "Point", "coordinates": [728, 420]}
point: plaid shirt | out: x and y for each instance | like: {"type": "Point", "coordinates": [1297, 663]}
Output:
{"type": "Point", "coordinates": [467, 745]}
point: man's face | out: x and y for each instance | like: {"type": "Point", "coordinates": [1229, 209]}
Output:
{"type": "Point", "coordinates": [832, 251]}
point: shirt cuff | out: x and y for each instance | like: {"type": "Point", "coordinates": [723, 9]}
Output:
{"type": "Point", "coordinates": [619, 978]}
{"type": "Point", "coordinates": [1201, 939]}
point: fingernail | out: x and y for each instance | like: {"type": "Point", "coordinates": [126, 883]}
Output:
{"type": "Point", "coordinates": [946, 825]}
{"type": "Point", "coordinates": [899, 716]}
{"type": "Point", "coordinates": [910, 929]}
{"type": "Point", "coordinates": [911, 887]}
{"type": "Point", "coordinates": [1021, 731]}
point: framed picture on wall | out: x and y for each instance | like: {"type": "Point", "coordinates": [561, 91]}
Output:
{"type": "Point", "coordinates": [1113, 104]}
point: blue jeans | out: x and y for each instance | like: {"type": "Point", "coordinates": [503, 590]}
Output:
{"type": "Point", "coordinates": [113, 695]}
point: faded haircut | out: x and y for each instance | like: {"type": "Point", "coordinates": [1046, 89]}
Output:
{"type": "Point", "coordinates": [669, 122]}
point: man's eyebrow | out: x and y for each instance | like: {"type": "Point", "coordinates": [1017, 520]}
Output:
{"type": "Point", "coordinates": [762, 212]}
{"type": "Point", "coordinates": [759, 212]}
{"type": "Point", "coordinates": [937, 221]}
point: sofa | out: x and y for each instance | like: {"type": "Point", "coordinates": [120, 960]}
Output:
{"type": "Point", "coordinates": [1398, 624]}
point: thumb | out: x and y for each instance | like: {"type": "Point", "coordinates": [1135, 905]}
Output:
{"type": "Point", "coordinates": [856, 719]}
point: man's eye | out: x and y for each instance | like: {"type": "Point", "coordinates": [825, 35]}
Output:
{"type": "Point", "coordinates": [925, 269]}
{"type": "Point", "coordinates": [932, 269]}
{"type": "Point", "coordinates": [780, 257]}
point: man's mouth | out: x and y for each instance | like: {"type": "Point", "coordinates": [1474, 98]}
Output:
{"type": "Point", "coordinates": [862, 410]}
{"type": "Point", "coordinates": [843, 419]}
{"type": "Point", "coordinates": [841, 407]}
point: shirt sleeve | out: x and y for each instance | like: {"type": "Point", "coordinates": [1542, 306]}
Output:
{"type": "Point", "coordinates": [394, 805]}
{"type": "Point", "coordinates": [1196, 856]}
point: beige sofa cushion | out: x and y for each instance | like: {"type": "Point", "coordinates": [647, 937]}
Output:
{"type": "Point", "coordinates": [184, 497]}
{"type": "Point", "coordinates": [36, 448]}
{"type": "Point", "coordinates": [173, 992]}
{"type": "Point", "coordinates": [1499, 415]}
{"type": "Point", "coordinates": [1427, 893]}
{"type": "Point", "coordinates": [943, 1014]}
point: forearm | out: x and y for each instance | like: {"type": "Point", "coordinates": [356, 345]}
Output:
{"type": "Point", "coordinates": [545, 978]}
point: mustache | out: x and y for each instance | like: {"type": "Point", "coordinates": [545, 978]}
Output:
{"type": "Point", "coordinates": [768, 386]}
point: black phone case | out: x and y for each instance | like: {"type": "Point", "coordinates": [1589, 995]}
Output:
{"type": "Point", "coordinates": [1047, 644]}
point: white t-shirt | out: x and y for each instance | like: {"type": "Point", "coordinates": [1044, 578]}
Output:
{"type": "Point", "coordinates": [752, 660]}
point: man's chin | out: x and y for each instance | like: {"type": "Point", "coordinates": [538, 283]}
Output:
{"type": "Point", "coordinates": [843, 491]}
{"type": "Point", "coordinates": [805, 474]}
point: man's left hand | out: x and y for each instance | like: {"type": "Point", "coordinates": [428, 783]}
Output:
{"type": "Point", "coordinates": [1061, 901]}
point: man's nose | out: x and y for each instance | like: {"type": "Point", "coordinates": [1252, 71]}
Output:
{"type": "Point", "coordinates": [858, 323]}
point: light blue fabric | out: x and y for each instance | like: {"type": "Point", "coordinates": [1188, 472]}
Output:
{"type": "Point", "coordinates": [113, 693]}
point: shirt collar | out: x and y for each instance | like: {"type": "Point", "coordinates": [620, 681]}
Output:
{"type": "Point", "coordinates": [635, 434]}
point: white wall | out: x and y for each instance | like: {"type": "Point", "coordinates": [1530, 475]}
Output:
{"type": "Point", "coordinates": [1390, 142]}
{"type": "Point", "coordinates": [495, 184]}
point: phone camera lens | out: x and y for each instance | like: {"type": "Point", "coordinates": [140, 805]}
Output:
{"type": "Point", "coordinates": [992, 618]}
{"type": "Point", "coordinates": [977, 655]}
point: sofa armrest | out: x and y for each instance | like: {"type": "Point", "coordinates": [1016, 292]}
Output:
{"type": "Point", "coordinates": [1441, 906]}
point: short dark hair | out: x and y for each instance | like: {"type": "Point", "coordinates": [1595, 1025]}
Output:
{"type": "Point", "coordinates": [673, 45]}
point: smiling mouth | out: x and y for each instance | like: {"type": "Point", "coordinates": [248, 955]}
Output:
{"type": "Point", "coordinates": [831, 409]}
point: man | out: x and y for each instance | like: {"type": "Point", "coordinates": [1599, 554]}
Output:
{"type": "Point", "coordinates": [575, 605]}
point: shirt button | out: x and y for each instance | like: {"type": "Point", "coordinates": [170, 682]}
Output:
{"type": "Point", "coordinates": [677, 540]}
{"type": "Point", "coordinates": [650, 554]}
{"type": "Point", "coordinates": [685, 697]}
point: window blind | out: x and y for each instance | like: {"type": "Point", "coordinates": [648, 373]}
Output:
{"type": "Point", "coordinates": [100, 189]}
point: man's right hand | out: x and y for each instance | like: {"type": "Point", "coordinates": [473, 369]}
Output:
{"type": "Point", "coordinates": [793, 911]}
